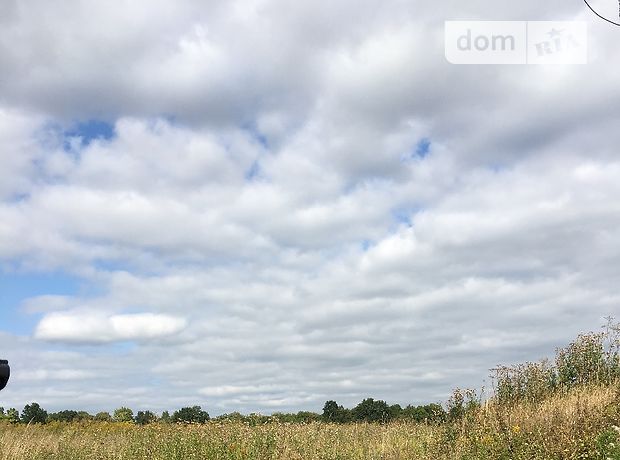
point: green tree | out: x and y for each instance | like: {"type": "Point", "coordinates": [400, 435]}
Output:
{"type": "Point", "coordinates": [123, 414]}
{"type": "Point", "coordinates": [332, 412]}
{"type": "Point", "coordinates": [232, 417]}
{"type": "Point", "coordinates": [370, 410]}
{"type": "Point", "coordinates": [430, 413]}
{"type": "Point", "coordinates": [63, 416]}
{"type": "Point", "coordinates": [165, 417]}
{"type": "Point", "coordinates": [461, 403]}
{"type": "Point", "coordinates": [436, 413]}
{"type": "Point", "coordinates": [145, 417]}
{"type": "Point", "coordinates": [193, 414]}
{"type": "Point", "coordinates": [12, 415]}
{"type": "Point", "coordinates": [84, 416]}
{"type": "Point", "coordinates": [395, 411]}
{"type": "Point", "coordinates": [103, 417]}
{"type": "Point", "coordinates": [307, 417]}
{"type": "Point", "coordinates": [33, 413]}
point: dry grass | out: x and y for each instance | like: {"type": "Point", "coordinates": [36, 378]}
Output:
{"type": "Point", "coordinates": [577, 425]}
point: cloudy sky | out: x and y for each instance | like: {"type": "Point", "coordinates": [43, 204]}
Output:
{"type": "Point", "coordinates": [259, 205]}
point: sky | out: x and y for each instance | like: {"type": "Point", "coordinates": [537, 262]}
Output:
{"type": "Point", "coordinates": [261, 205]}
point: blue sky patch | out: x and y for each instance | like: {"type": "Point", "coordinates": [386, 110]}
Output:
{"type": "Point", "coordinates": [17, 287]}
{"type": "Point", "coordinates": [90, 130]}
{"type": "Point", "coordinates": [423, 148]}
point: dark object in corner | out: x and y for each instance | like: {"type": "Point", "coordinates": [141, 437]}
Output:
{"type": "Point", "coordinates": [5, 373]}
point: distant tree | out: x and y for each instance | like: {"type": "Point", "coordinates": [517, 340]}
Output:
{"type": "Point", "coordinates": [282, 417]}
{"type": "Point", "coordinates": [123, 414]}
{"type": "Point", "coordinates": [256, 419]}
{"type": "Point", "coordinates": [330, 411]}
{"type": "Point", "coordinates": [334, 413]}
{"type": "Point", "coordinates": [430, 413]}
{"type": "Point", "coordinates": [193, 414]}
{"type": "Point", "coordinates": [370, 410]}
{"type": "Point", "coordinates": [103, 417]}
{"type": "Point", "coordinates": [12, 415]}
{"type": "Point", "coordinates": [84, 416]}
{"type": "Point", "coordinates": [461, 403]}
{"type": "Point", "coordinates": [414, 413]}
{"type": "Point", "coordinates": [165, 417]}
{"type": "Point", "coordinates": [145, 417]}
{"type": "Point", "coordinates": [33, 413]}
{"type": "Point", "coordinates": [63, 416]}
{"type": "Point", "coordinates": [287, 417]}
{"type": "Point", "coordinates": [395, 411]}
{"type": "Point", "coordinates": [307, 417]}
{"type": "Point", "coordinates": [436, 413]}
{"type": "Point", "coordinates": [232, 417]}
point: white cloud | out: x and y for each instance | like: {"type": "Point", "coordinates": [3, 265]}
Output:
{"type": "Point", "coordinates": [96, 328]}
{"type": "Point", "coordinates": [18, 152]}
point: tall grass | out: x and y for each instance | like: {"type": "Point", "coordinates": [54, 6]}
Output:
{"type": "Point", "coordinates": [592, 359]}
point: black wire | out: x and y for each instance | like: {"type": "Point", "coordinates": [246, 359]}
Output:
{"type": "Point", "coordinates": [602, 17]}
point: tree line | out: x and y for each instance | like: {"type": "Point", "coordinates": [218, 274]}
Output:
{"type": "Point", "coordinates": [34, 413]}
{"type": "Point", "coordinates": [369, 410]}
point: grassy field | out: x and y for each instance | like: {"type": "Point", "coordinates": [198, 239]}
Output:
{"type": "Point", "coordinates": [581, 424]}
{"type": "Point", "coordinates": [568, 408]}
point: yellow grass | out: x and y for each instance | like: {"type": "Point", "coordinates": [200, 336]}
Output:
{"type": "Point", "coordinates": [578, 425]}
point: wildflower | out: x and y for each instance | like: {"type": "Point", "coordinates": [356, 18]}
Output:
{"type": "Point", "coordinates": [516, 429]}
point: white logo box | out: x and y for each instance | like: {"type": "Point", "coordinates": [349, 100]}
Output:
{"type": "Point", "coordinates": [516, 42]}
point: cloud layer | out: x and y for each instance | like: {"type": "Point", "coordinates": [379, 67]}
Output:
{"type": "Point", "coordinates": [295, 203]}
